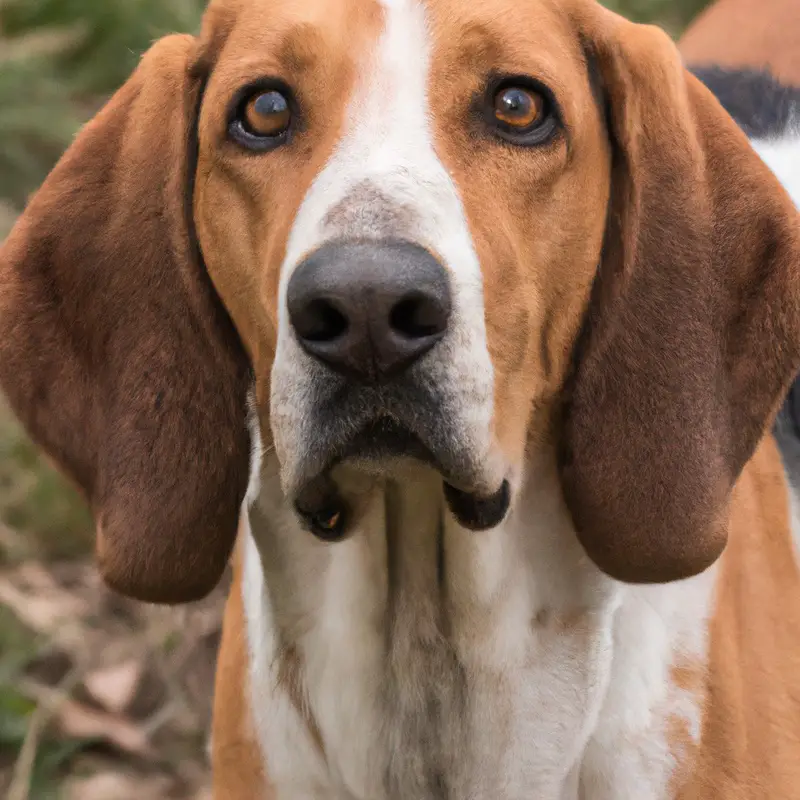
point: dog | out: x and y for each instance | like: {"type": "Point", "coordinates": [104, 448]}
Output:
{"type": "Point", "coordinates": [736, 34]}
{"type": "Point", "coordinates": [463, 328]}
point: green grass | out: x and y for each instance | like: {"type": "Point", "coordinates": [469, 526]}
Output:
{"type": "Point", "coordinates": [43, 516]}
{"type": "Point", "coordinates": [18, 646]}
{"type": "Point", "coordinates": [58, 60]}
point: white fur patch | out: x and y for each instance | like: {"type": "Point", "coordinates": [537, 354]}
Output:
{"type": "Point", "coordinates": [632, 753]}
{"type": "Point", "coordinates": [389, 146]}
{"type": "Point", "coordinates": [782, 156]}
{"type": "Point", "coordinates": [553, 681]}
{"type": "Point", "coordinates": [256, 452]}
{"type": "Point", "coordinates": [520, 671]}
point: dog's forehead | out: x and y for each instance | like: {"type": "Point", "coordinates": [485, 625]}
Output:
{"type": "Point", "coordinates": [503, 30]}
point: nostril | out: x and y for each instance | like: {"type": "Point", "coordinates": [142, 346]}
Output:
{"type": "Point", "coordinates": [418, 317]}
{"type": "Point", "coordinates": [368, 309]}
{"type": "Point", "coordinates": [320, 321]}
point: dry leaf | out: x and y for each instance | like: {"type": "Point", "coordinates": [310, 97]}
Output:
{"type": "Point", "coordinates": [116, 786]}
{"type": "Point", "coordinates": [163, 658]}
{"type": "Point", "coordinates": [80, 721]}
{"type": "Point", "coordinates": [115, 687]}
{"type": "Point", "coordinates": [43, 607]}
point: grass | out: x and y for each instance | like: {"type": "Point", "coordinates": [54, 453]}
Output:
{"type": "Point", "coordinates": [42, 516]}
{"type": "Point", "coordinates": [59, 60]}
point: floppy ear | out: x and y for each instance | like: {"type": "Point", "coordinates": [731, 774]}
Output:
{"type": "Point", "coordinates": [115, 351]}
{"type": "Point", "coordinates": [693, 330]}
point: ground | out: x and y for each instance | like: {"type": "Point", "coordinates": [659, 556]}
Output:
{"type": "Point", "coordinates": [101, 698]}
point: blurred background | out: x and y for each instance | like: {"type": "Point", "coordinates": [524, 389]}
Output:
{"type": "Point", "coordinates": [100, 698]}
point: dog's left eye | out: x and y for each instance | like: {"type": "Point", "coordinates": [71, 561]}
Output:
{"type": "Point", "coordinates": [523, 114]}
{"type": "Point", "coordinates": [262, 120]}
{"type": "Point", "coordinates": [518, 108]}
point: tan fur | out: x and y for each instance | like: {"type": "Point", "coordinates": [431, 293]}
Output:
{"type": "Point", "coordinates": [532, 320]}
{"type": "Point", "coordinates": [764, 34]}
{"type": "Point", "coordinates": [751, 735]}
{"type": "Point", "coordinates": [238, 769]}
{"type": "Point", "coordinates": [543, 210]}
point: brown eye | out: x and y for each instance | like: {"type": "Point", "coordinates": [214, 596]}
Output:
{"type": "Point", "coordinates": [262, 117]}
{"type": "Point", "coordinates": [267, 114]}
{"type": "Point", "coordinates": [522, 112]}
{"type": "Point", "coordinates": [518, 108]}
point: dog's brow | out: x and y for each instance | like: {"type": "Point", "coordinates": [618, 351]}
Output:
{"type": "Point", "coordinates": [479, 46]}
{"type": "Point", "coordinates": [301, 47]}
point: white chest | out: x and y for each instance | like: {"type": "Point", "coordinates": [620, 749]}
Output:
{"type": "Point", "coordinates": [438, 663]}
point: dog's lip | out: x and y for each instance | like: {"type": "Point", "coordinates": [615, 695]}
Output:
{"type": "Point", "coordinates": [382, 440]}
{"type": "Point", "coordinates": [320, 504]}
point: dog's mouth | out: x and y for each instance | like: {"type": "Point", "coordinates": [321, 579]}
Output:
{"type": "Point", "coordinates": [375, 447]}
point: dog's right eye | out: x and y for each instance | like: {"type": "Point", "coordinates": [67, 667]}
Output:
{"type": "Point", "coordinates": [522, 111]}
{"type": "Point", "coordinates": [267, 114]}
{"type": "Point", "coordinates": [262, 119]}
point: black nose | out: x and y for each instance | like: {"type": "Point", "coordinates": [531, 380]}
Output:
{"type": "Point", "coordinates": [369, 309]}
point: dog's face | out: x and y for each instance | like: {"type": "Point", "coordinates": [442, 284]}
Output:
{"type": "Point", "coordinates": [442, 231]}
{"type": "Point", "coordinates": [402, 205]}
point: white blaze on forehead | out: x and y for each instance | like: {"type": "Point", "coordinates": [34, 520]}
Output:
{"type": "Point", "coordinates": [387, 143]}
{"type": "Point", "coordinates": [387, 149]}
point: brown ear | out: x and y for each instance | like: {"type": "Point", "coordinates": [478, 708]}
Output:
{"type": "Point", "coordinates": [693, 330]}
{"type": "Point", "coordinates": [114, 349]}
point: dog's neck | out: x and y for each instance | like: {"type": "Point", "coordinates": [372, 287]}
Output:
{"type": "Point", "coordinates": [418, 659]}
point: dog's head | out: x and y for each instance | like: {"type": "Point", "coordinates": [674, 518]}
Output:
{"type": "Point", "coordinates": [419, 229]}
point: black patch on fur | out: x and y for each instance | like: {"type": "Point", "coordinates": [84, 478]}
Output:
{"type": "Point", "coordinates": [787, 434]}
{"type": "Point", "coordinates": [762, 106]}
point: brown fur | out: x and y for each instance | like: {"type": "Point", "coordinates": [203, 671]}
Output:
{"type": "Point", "coordinates": [627, 235]}
{"type": "Point", "coordinates": [115, 351]}
{"type": "Point", "coordinates": [763, 34]}
{"type": "Point", "coordinates": [548, 202]}
{"type": "Point", "coordinates": [675, 331]}
{"type": "Point", "coordinates": [687, 322]}
{"type": "Point", "coordinates": [315, 52]}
